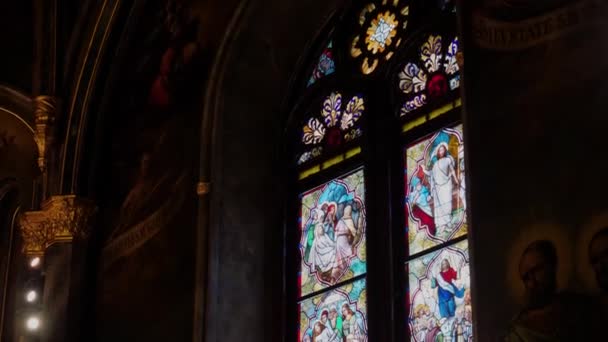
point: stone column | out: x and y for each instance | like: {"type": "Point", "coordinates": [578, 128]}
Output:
{"type": "Point", "coordinates": [59, 233]}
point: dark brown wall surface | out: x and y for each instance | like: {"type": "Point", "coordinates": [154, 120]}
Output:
{"type": "Point", "coordinates": [146, 189]}
{"type": "Point", "coordinates": [535, 123]}
{"type": "Point", "coordinates": [17, 39]}
{"type": "Point", "coordinates": [247, 181]}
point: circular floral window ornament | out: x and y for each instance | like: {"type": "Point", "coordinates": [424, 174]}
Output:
{"type": "Point", "coordinates": [382, 26]}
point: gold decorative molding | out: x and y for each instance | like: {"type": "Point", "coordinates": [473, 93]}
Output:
{"type": "Point", "coordinates": [45, 112]}
{"type": "Point", "coordinates": [460, 59]}
{"type": "Point", "coordinates": [203, 188]}
{"type": "Point", "coordinates": [61, 219]}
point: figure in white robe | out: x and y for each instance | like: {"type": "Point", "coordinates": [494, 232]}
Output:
{"type": "Point", "coordinates": [352, 326]}
{"type": "Point", "coordinates": [322, 333]}
{"type": "Point", "coordinates": [345, 232]}
{"type": "Point", "coordinates": [323, 252]}
{"type": "Point", "coordinates": [442, 179]}
{"type": "Point", "coordinates": [462, 188]}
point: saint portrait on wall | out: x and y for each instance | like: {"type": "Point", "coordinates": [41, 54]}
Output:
{"type": "Point", "coordinates": [162, 128]}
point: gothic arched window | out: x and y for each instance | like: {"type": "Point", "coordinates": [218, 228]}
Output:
{"type": "Point", "coordinates": [377, 224]}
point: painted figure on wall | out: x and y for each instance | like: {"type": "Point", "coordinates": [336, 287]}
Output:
{"type": "Point", "coordinates": [160, 122]}
{"type": "Point", "coordinates": [549, 315]}
{"type": "Point", "coordinates": [147, 203]}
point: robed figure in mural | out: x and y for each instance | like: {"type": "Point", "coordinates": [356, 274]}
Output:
{"type": "Point", "coordinates": [162, 126]}
{"type": "Point", "coordinates": [548, 315]}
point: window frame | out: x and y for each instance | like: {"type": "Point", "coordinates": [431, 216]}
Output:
{"type": "Point", "coordinates": [382, 159]}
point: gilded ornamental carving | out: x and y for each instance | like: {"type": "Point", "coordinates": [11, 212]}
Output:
{"type": "Point", "coordinates": [44, 116]}
{"type": "Point", "coordinates": [61, 219]}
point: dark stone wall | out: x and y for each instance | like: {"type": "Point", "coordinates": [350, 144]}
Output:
{"type": "Point", "coordinates": [17, 38]}
{"type": "Point", "coordinates": [535, 123]}
{"type": "Point", "coordinates": [248, 190]}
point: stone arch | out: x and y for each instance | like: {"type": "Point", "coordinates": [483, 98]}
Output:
{"type": "Point", "coordinates": [243, 131]}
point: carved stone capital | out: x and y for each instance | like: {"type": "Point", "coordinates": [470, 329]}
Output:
{"type": "Point", "coordinates": [45, 112]}
{"type": "Point", "coordinates": [203, 188]}
{"type": "Point", "coordinates": [61, 219]}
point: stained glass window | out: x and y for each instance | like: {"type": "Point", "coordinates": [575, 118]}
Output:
{"type": "Point", "coordinates": [432, 75]}
{"type": "Point", "coordinates": [325, 66]}
{"type": "Point", "coordinates": [340, 141]}
{"type": "Point", "coordinates": [440, 295]}
{"type": "Point", "coordinates": [439, 298]}
{"type": "Point", "coordinates": [338, 123]}
{"type": "Point", "coordinates": [382, 26]}
{"type": "Point", "coordinates": [333, 261]}
{"type": "Point", "coordinates": [332, 243]}
{"type": "Point", "coordinates": [435, 192]}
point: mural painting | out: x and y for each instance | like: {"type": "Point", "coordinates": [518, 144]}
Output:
{"type": "Point", "coordinates": [149, 208]}
{"type": "Point", "coordinates": [537, 238]}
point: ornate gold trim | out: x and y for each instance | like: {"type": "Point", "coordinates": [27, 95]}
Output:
{"type": "Point", "coordinates": [203, 188]}
{"type": "Point", "coordinates": [61, 219]}
{"type": "Point", "coordinates": [44, 115]}
{"type": "Point", "coordinates": [460, 59]}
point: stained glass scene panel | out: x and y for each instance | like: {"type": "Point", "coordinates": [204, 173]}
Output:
{"type": "Point", "coordinates": [336, 315]}
{"type": "Point", "coordinates": [440, 297]}
{"type": "Point", "coordinates": [332, 225]}
{"type": "Point", "coordinates": [435, 203]}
